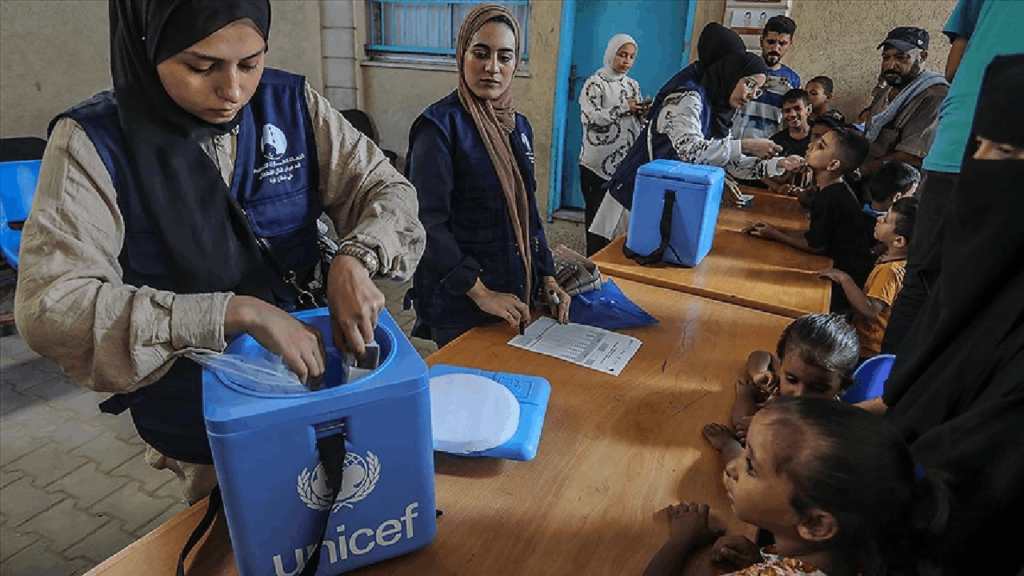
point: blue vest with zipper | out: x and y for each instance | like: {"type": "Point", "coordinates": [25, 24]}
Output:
{"type": "Point", "coordinates": [621, 184]}
{"type": "Point", "coordinates": [275, 180]}
{"type": "Point", "coordinates": [480, 220]}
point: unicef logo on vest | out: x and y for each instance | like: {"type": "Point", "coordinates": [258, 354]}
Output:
{"type": "Point", "coordinates": [274, 144]}
{"type": "Point", "coordinates": [359, 477]}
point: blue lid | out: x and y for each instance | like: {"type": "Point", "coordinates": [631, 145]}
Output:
{"type": "Point", "coordinates": [231, 406]}
{"type": "Point", "coordinates": [682, 171]}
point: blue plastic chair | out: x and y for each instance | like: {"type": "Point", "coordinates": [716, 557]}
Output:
{"type": "Point", "coordinates": [17, 186]}
{"type": "Point", "coordinates": [869, 379]}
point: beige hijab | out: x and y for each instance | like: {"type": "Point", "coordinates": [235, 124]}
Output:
{"type": "Point", "coordinates": [496, 119]}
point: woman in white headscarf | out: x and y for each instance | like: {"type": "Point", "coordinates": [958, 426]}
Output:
{"type": "Point", "coordinates": [611, 111]}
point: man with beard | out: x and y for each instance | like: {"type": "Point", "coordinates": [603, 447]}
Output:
{"type": "Point", "coordinates": [762, 117]}
{"type": "Point", "coordinates": [979, 30]}
{"type": "Point", "coordinates": [902, 116]}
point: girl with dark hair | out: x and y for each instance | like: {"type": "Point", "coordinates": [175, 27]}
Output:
{"type": "Point", "coordinates": [471, 159]}
{"type": "Point", "coordinates": [835, 486]}
{"type": "Point", "coordinates": [142, 242]}
{"type": "Point", "coordinates": [689, 121]}
{"type": "Point", "coordinates": [815, 357]}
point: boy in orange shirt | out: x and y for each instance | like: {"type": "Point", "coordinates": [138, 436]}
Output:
{"type": "Point", "coordinates": [872, 305]}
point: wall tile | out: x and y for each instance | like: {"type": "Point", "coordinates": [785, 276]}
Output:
{"type": "Point", "coordinates": [336, 14]}
{"type": "Point", "coordinates": [337, 42]}
{"type": "Point", "coordinates": [340, 72]}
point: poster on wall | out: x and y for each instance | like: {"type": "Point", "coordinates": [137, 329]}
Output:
{"type": "Point", "coordinates": [747, 18]}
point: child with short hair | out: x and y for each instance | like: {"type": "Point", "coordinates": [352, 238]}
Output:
{"type": "Point", "coordinates": [815, 357]}
{"type": "Point", "coordinates": [802, 187]}
{"type": "Point", "coordinates": [819, 93]}
{"type": "Point", "coordinates": [872, 305]}
{"type": "Point", "coordinates": [893, 180]}
{"type": "Point", "coordinates": [838, 489]}
{"type": "Point", "coordinates": [837, 228]}
{"type": "Point", "coordinates": [796, 132]}
{"type": "Point", "coordinates": [794, 136]}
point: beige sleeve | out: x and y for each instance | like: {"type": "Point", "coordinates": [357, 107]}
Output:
{"type": "Point", "coordinates": [369, 201]}
{"type": "Point", "coordinates": [71, 305]}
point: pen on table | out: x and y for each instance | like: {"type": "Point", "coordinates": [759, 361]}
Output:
{"type": "Point", "coordinates": [522, 327]}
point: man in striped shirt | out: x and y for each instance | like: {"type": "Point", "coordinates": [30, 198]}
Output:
{"type": "Point", "coordinates": [761, 118]}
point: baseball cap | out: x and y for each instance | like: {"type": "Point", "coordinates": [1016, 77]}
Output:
{"type": "Point", "coordinates": [833, 118]}
{"type": "Point", "coordinates": [907, 38]}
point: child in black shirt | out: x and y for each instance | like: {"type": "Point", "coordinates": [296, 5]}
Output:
{"type": "Point", "coordinates": [837, 227]}
{"type": "Point", "coordinates": [793, 138]}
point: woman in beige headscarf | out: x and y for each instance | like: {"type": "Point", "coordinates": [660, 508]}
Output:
{"type": "Point", "coordinates": [471, 160]}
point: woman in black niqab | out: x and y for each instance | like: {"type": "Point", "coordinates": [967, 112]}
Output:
{"type": "Point", "coordinates": [956, 391]}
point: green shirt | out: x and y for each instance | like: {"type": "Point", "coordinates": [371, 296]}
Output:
{"type": "Point", "coordinates": [993, 28]}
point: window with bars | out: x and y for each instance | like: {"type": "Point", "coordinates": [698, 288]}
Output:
{"type": "Point", "coordinates": [401, 29]}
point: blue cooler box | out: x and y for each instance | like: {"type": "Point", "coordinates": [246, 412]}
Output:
{"type": "Point", "coordinates": [274, 488]}
{"type": "Point", "coordinates": [698, 191]}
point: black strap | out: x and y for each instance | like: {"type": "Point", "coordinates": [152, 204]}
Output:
{"type": "Point", "coordinates": [332, 454]}
{"type": "Point", "coordinates": [309, 297]}
{"type": "Point", "coordinates": [115, 405]}
{"type": "Point", "coordinates": [212, 507]}
{"type": "Point", "coordinates": [664, 228]}
{"type": "Point", "coordinates": [331, 450]}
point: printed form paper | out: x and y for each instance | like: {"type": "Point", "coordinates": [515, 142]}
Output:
{"type": "Point", "coordinates": [591, 347]}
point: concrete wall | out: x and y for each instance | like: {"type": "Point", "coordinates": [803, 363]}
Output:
{"type": "Point", "coordinates": [837, 38]}
{"type": "Point", "coordinates": [56, 53]}
{"type": "Point", "coordinates": [341, 67]}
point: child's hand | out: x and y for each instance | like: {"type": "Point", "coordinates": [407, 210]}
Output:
{"type": "Point", "coordinates": [740, 428]}
{"type": "Point", "coordinates": [761, 230]}
{"type": "Point", "coordinates": [765, 381]}
{"type": "Point", "coordinates": [690, 524]}
{"type": "Point", "coordinates": [737, 550]}
{"type": "Point", "coordinates": [837, 276]}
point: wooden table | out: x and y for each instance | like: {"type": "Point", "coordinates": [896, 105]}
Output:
{"type": "Point", "coordinates": [614, 452]}
{"type": "Point", "coordinates": [777, 210]}
{"type": "Point", "coordinates": [741, 269]}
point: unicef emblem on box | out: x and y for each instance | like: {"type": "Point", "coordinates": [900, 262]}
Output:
{"type": "Point", "coordinates": [276, 487]}
{"type": "Point", "coordinates": [359, 477]}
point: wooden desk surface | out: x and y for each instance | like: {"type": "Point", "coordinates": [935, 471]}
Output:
{"type": "Point", "coordinates": [779, 211]}
{"type": "Point", "coordinates": [740, 269]}
{"type": "Point", "coordinates": [614, 452]}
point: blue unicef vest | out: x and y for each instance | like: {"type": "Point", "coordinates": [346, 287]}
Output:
{"type": "Point", "coordinates": [479, 219]}
{"type": "Point", "coordinates": [275, 180]}
{"type": "Point", "coordinates": [620, 186]}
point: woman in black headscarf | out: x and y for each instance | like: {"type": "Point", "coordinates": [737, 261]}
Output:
{"type": "Point", "coordinates": [956, 391]}
{"type": "Point", "coordinates": [689, 121]}
{"type": "Point", "coordinates": [143, 238]}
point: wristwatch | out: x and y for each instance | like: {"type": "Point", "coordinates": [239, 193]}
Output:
{"type": "Point", "coordinates": [366, 256]}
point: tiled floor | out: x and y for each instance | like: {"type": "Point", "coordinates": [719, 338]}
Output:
{"type": "Point", "coordinates": [74, 488]}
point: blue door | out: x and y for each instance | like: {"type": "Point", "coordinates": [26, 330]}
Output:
{"type": "Point", "coordinates": [662, 30]}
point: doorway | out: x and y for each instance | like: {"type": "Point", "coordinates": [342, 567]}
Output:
{"type": "Point", "coordinates": [662, 30]}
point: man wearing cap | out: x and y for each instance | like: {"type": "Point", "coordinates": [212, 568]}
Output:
{"type": "Point", "coordinates": [979, 30]}
{"type": "Point", "coordinates": [902, 116]}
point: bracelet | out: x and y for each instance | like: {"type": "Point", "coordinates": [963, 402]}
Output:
{"type": "Point", "coordinates": [366, 256]}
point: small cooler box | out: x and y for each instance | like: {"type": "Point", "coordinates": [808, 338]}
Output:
{"type": "Point", "coordinates": [698, 191]}
{"type": "Point", "coordinates": [274, 488]}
